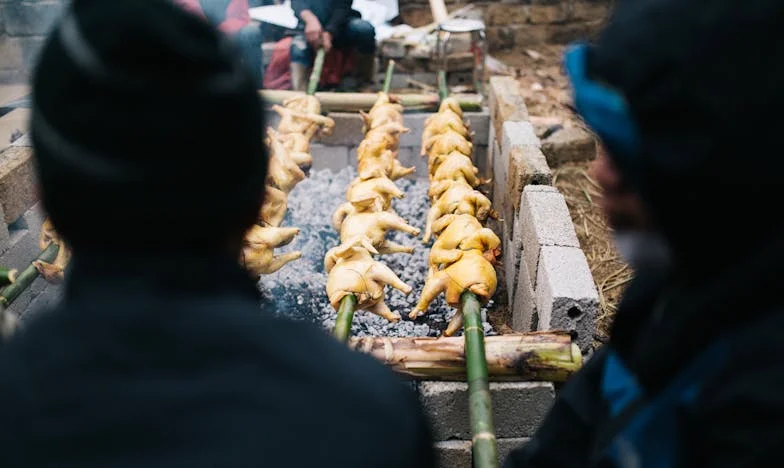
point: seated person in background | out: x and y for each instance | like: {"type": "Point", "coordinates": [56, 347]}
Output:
{"type": "Point", "coordinates": [159, 353]}
{"type": "Point", "coordinates": [330, 23]}
{"type": "Point", "coordinates": [232, 18]}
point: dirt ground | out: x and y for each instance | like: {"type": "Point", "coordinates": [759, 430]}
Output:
{"type": "Point", "coordinates": [547, 95]}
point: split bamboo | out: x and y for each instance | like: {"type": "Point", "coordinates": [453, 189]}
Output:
{"type": "Point", "coordinates": [355, 102]}
{"type": "Point", "coordinates": [529, 357]}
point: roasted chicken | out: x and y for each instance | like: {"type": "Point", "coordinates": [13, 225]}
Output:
{"type": "Point", "coordinates": [471, 272]}
{"type": "Point", "coordinates": [456, 167]}
{"type": "Point", "coordinates": [446, 122]}
{"type": "Point", "coordinates": [54, 272]}
{"type": "Point", "coordinates": [458, 198]}
{"type": "Point", "coordinates": [447, 142]}
{"type": "Point", "coordinates": [375, 226]}
{"type": "Point", "coordinates": [464, 233]}
{"type": "Point", "coordinates": [381, 190]}
{"type": "Point", "coordinates": [386, 110]}
{"type": "Point", "coordinates": [258, 255]}
{"type": "Point", "coordinates": [282, 172]}
{"type": "Point", "coordinates": [295, 121]}
{"type": "Point", "coordinates": [385, 165]}
{"type": "Point", "coordinates": [352, 270]}
{"type": "Point", "coordinates": [273, 210]}
{"type": "Point", "coordinates": [380, 139]}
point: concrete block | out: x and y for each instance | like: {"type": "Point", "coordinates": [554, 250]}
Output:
{"type": "Point", "coordinates": [23, 142]}
{"type": "Point", "coordinates": [544, 222]}
{"type": "Point", "coordinates": [347, 132]}
{"type": "Point", "coordinates": [17, 182]}
{"type": "Point", "coordinates": [31, 18]}
{"type": "Point", "coordinates": [569, 145]}
{"type": "Point", "coordinates": [334, 158]}
{"type": "Point", "coordinates": [457, 453]}
{"type": "Point", "coordinates": [518, 134]}
{"type": "Point", "coordinates": [566, 297]}
{"type": "Point", "coordinates": [506, 103]}
{"type": "Point", "coordinates": [12, 125]}
{"type": "Point", "coordinates": [416, 122]}
{"type": "Point", "coordinates": [5, 236]}
{"type": "Point", "coordinates": [46, 300]}
{"type": "Point", "coordinates": [525, 317]}
{"type": "Point", "coordinates": [34, 218]}
{"type": "Point", "coordinates": [480, 160]}
{"type": "Point", "coordinates": [518, 408]}
{"type": "Point", "coordinates": [512, 247]}
{"type": "Point", "coordinates": [480, 125]}
{"type": "Point", "coordinates": [410, 157]}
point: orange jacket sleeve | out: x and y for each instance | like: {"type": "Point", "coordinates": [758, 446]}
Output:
{"type": "Point", "coordinates": [237, 17]}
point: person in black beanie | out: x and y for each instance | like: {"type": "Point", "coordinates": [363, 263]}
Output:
{"type": "Point", "coordinates": [683, 95]}
{"type": "Point", "coordinates": [148, 141]}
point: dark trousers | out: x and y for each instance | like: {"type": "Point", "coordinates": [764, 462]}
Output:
{"type": "Point", "coordinates": [357, 33]}
{"type": "Point", "coordinates": [248, 40]}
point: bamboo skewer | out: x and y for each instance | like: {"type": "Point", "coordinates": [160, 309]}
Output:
{"type": "Point", "coordinates": [345, 316]}
{"type": "Point", "coordinates": [315, 76]}
{"type": "Point", "coordinates": [7, 276]}
{"type": "Point", "coordinates": [12, 292]}
{"type": "Point", "coordinates": [388, 77]}
{"type": "Point", "coordinates": [480, 407]}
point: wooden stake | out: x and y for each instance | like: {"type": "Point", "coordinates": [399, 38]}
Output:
{"type": "Point", "coordinates": [480, 407]}
{"type": "Point", "coordinates": [10, 293]}
{"type": "Point", "coordinates": [345, 317]}
{"type": "Point", "coordinates": [315, 76]}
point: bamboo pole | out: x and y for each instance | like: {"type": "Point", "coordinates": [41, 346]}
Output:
{"type": "Point", "coordinates": [355, 102]}
{"type": "Point", "coordinates": [538, 356]}
{"type": "Point", "coordinates": [315, 75]}
{"type": "Point", "coordinates": [345, 317]}
{"type": "Point", "coordinates": [7, 276]}
{"type": "Point", "coordinates": [443, 89]}
{"type": "Point", "coordinates": [388, 77]}
{"type": "Point", "coordinates": [480, 407]}
{"type": "Point", "coordinates": [10, 293]}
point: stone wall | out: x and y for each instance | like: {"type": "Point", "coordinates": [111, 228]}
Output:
{"type": "Point", "coordinates": [23, 28]}
{"type": "Point", "coordinates": [522, 23]}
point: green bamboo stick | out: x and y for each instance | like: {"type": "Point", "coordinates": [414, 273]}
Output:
{"type": "Point", "coordinates": [485, 452]}
{"type": "Point", "coordinates": [7, 276]}
{"type": "Point", "coordinates": [388, 77]}
{"type": "Point", "coordinates": [443, 90]}
{"type": "Point", "coordinates": [10, 293]}
{"type": "Point", "coordinates": [345, 317]}
{"type": "Point", "coordinates": [315, 76]}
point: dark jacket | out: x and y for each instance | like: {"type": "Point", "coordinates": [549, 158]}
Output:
{"type": "Point", "coordinates": [174, 364]}
{"type": "Point", "coordinates": [333, 14]}
{"type": "Point", "coordinates": [667, 322]}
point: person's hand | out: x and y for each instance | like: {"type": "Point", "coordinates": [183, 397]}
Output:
{"type": "Point", "coordinates": [326, 41]}
{"type": "Point", "coordinates": [621, 205]}
{"type": "Point", "coordinates": [313, 31]}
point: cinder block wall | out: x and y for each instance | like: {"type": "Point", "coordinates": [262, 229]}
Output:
{"type": "Point", "coordinates": [549, 283]}
{"type": "Point", "coordinates": [24, 25]}
{"type": "Point", "coordinates": [522, 23]}
{"type": "Point", "coordinates": [20, 227]}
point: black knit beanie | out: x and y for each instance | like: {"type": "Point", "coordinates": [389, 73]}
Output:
{"type": "Point", "coordinates": [146, 128]}
{"type": "Point", "coordinates": [703, 79]}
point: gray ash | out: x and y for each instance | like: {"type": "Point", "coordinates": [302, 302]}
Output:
{"type": "Point", "coordinates": [298, 292]}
